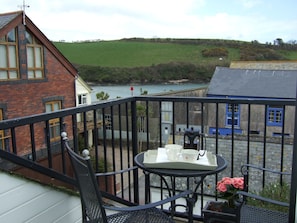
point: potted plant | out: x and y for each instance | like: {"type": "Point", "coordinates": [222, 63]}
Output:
{"type": "Point", "coordinates": [224, 211]}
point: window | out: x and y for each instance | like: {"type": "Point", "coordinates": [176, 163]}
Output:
{"type": "Point", "coordinates": [108, 121]}
{"type": "Point", "coordinates": [34, 57]}
{"type": "Point", "coordinates": [167, 108]}
{"type": "Point", "coordinates": [8, 57]}
{"type": "Point", "coordinates": [229, 112]}
{"type": "Point", "coordinates": [274, 115]}
{"type": "Point", "coordinates": [82, 99]}
{"type": "Point", "coordinates": [54, 123]}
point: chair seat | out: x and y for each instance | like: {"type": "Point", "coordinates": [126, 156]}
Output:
{"type": "Point", "coordinates": [152, 215]}
{"type": "Point", "coordinates": [260, 215]}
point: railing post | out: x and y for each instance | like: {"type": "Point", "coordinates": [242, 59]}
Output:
{"type": "Point", "coordinates": [292, 210]}
{"type": "Point", "coordinates": [134, 148]}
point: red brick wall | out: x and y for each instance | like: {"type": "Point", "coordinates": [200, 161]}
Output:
{"type": "Point", "coordinates": [26, 97]}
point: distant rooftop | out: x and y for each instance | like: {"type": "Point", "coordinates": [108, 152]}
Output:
{"type": "Point", "coordinates": [265, 65]}
{"type": "Point", "coordinates": [253, 83]}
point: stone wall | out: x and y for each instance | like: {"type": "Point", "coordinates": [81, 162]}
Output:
{"type": "Point", "coordinates": [272, 158]}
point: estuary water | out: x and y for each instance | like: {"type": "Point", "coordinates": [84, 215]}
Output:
{"type": "Point", "coordinates": [123, 91]}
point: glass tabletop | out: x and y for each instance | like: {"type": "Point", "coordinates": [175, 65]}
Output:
{"type": "Point", "coordinates": [222, 164]}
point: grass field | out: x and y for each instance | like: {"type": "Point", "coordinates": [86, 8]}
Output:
{"type": "Point", "coordinates": [136, 54]}
{"type": "Point", "coordinates": [160, 60]}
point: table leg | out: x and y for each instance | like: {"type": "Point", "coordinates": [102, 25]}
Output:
{"type": "Point", "coordinates": [147, 192]}
{"type": "Point", "coordinates": [190, 204]}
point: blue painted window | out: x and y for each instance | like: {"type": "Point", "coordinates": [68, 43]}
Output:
{"type": "Point", "coordinates": [274, 115]}
{"type": "Point", "coordinates": [229, 108]}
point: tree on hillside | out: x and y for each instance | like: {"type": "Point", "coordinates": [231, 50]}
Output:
{"type": "Point", "coordinates": [279, 42]}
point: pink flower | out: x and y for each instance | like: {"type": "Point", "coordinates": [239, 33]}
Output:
{"type": "Point", "coordinates": [238, 183]}
{"type": "Point", "coordinates": [227, 180]}
{"type": "Point", "coordinates": [228, 187]}
{"type": "Point", "coordinates": [221, 187]}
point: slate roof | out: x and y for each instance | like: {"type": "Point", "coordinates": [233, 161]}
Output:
{"type": "Point", "coordinates": [7, 18]}
{"type": "Point", "coordinates": [274, 84]}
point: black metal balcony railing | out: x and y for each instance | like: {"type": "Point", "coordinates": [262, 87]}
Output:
{"type": "Point", "coordinates": [116, 130]}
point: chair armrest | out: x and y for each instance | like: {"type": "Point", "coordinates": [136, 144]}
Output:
{"type": "Point", "coordinates": [246, 194]}
{"type": "Point", "coordinates": [116, 172]}
{"type": "Point", "coordinates": [150, 205]}
{"type": "Point", "coordinates": [244, 169]}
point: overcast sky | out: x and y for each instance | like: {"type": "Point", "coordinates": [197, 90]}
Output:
{"type": "Point", "coordinates": [247, 20]}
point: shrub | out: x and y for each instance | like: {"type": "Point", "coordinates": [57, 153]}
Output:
{"type": "Point", "coordinates": [215, 52]}
{"type": "Point", "coordinates": [274, 191]}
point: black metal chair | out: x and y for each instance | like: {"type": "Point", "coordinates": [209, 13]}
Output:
{"type": "Point", "coordinates": [250, 213]}
{"type": "Point", "coordinates": [93, 209]}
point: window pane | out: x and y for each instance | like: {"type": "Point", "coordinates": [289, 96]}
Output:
{"type": "Point", "coordinates": [271, 116]}
{"type": "Point", "coordinates": [48, 107]}
{"type": "Point", "coordinates": [56, 107]}
{"type": "Point", "coordinates": [235, 106]}
{"type": "Point", "coordinates": [11, 36]}
{"type": "Point", "coordinates": [30, 57]}
{"type": "Point", "coordinates": [38, 74]}
{"type": "Point", "coordinates": [13, 75]}
{"type": "Point", "coordinates": [278, 116]}
{"type": "Point", "coordinates": [37, 57]}
{"type": "Point", "coordinates": [12, 57]}
{"type": "Point", "coordinates": [3, 59]}
{"type": "Point", "coordinates": [3, 75]}
{"type": "Point", "coordinates": [56, 130]}
{"type": "Point", "coordinates": [30, 74]}
{"type": "Point", "coordinates": [29, 38]}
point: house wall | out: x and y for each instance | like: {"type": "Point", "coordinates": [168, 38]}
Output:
{"type": "Point", "coordinates": [257, 120]}
{"type": "Point", "coordinates": [26, 97]}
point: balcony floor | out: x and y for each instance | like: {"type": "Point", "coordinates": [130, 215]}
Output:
{"type": "Point", "coordinates": [155, 196]}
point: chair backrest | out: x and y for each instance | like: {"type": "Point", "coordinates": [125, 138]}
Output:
{"type": "Point", "coordinates": [90, 195]}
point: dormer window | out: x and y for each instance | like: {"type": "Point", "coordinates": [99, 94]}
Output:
{"type": "Point", "coordinates": [34, 57]}
{"type": "Point", "coordinates": [9, 69]}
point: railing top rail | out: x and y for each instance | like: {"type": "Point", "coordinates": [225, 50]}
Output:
{"type": "Point", "coordinates": [9, 123]}
{"type": "Point", "coordinates": [218, 100]}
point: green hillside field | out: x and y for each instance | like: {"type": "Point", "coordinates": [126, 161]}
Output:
{"type": "Point", "coordinates": [157, 60]}
{"type": "Point", "coordinates": [136, 54]}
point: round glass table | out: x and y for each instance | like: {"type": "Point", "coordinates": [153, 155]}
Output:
{"type": "Point", "coordinates": [173, 173]}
